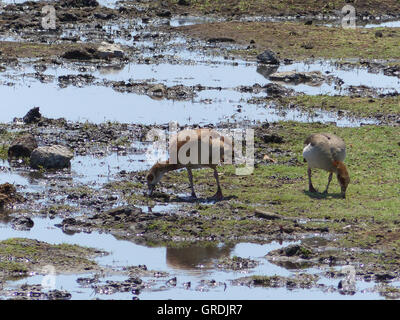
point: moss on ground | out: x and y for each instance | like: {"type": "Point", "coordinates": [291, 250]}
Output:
{"type": "Point", "coordinates": [367, 218]}
{"type": "Point", "coordinates": [20, 255]}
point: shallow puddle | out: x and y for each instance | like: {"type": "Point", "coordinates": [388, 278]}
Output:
{"type": "Point", "coordinates": [97, 103]}
{"type": "Point", "coordinates": [192, 264]}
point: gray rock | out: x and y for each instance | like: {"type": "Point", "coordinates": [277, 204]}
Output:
{"type": "Point", "coordinates": [276, 90]}
{"type": "Point", "coordinates": [32, 116]}
{"type": "Point", "coordinates": [268, 57]}
{"type": "Point", "coordinates": [22, 223]}
{"type": "Point", "coordinates": [157, 90]}
{"type": "Point", "coordinates": [51, 157]}
{"type": "Point", "coordinates": [22, 146]}
{"type": "Point", "coordinates": [266, 70]}
{"type": "Point", "coordinates": [313, 77]}
{"type": "Point", "coordinates": [108, 50]}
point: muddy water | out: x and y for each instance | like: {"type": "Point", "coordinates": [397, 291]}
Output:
{"type": "Point", "coordinates": [97, 103]}
{"type": "Point", "coordinates": [193, 264]}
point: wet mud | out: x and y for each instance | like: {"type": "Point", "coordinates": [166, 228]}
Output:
{"type": "Point", "coordinates": [168, 60]}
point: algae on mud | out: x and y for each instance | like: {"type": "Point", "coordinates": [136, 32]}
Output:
{"type": "Point", "coordinates": [18, 256]}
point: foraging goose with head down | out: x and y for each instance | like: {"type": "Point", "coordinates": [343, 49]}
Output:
{"type": "Point", "coordinates": [198, 142]}
{"type": "Point", "coordinates": [326, 151]}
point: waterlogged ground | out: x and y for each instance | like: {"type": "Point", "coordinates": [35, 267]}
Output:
{"type": "Point", "coordinates": [90, 232]}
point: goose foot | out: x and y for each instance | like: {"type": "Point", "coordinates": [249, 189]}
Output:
{"type": "Point", "coordinates": [217, 196]}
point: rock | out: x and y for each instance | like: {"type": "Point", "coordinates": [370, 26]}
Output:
{"type": "Point", "coordinates": [32, 116]}
{"type": "Point", "coordinates": [362, 91]}
{"type": "Point", "coordinates": [22, 223]}
{"type": "Point", "coordinates": [266, 70]}
{"type": "Point", "coordinates": [79, 3]}
{"type": "Point", "coordinates": [104, 16]}
{"type": "Point", "coordinates": [268, 57]}
{"type": "Point", "coordinates": [183, 3]}
{"type": "Point", "coordinates": [51, 157]}
{"type": "Point", "coordinates": [163, 13]}
{"type": "Point", "coordinates": [307, 46]}
{"type": "Point", "coordinates": [81, 54]}
{"type": "Point", "coordinates": [220, 39]}
{"type": "Point", "coordinates": [272, 138]}
{"type": "Point", "coordinates": [58, 295]}
{"type": "Point", "coordinates": [158, 90]}
{"type": "Point", "coordinates": [22, 146]}
{"type": "Point", "coordinates": [77, 80]}
{"type": "Point", "coordinates": [347, 287]}
{"type": "Point", "coordinates": [267, 215]}
{"type": "Point", "coordinates": [68, 17]}
{"type": "Point", "coordinates": [392, 71]}
{"type": "Point", "coordinates": [107, 50]}
{"type": "Point", "coordinates": [314, 77]}
{"type": "Point", "coordinates": [8, 194]}
{"type": "Point", "coordinates": [276, 90]}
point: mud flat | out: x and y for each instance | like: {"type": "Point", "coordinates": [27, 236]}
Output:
{"type": "Point", "coordinates": [195, 62]}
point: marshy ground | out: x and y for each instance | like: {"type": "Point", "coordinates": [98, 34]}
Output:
{"type": "Point", "coordinates": [195, 62]}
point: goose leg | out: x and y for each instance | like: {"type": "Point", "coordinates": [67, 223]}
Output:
{"type": "Point", "coordinates": [191, 182]}
{"type": "Point", "coordinates": [310, 185]}
{"type": "Point", "coordinates": [329, 181]}
{"type": "Point", "coordinates": [218, 195]}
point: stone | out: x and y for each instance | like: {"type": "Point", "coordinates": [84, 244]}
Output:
{"type": "Point", "coordinates": [164, 13]}
{"type": "Point", "coordinates": [220, 39]}
{"type": "Point", "coordinates": [297, 77]}
{"type": "Point", "coordinates": [32, 116]}
{"type": "Point", "coordinates": [266, 70]}
{"type": "Point", "coordinates": [22, 146]}
{"type": "Point", "coordinates": [79, 3]}
{"type": "Point", "coordinates": [78, 55]}
{"type": "Point", "coordinates": [157, 90]}
{"type": "Point", "coordinates": [183, 3]}
{"type": "Point", "coordinates": [268, 57]}
{"type": "Point", "coordinates": [108, 50]}
{"type": "Point", "coordinates": [22, 223]}
{"type": "Point", "coordinates": [51, 157]}
{"type": "Point", "coordinates": [276, 90]}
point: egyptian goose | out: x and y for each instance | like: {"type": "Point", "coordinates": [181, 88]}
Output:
{"type": "Point", "coordinates": [326, 151]}
{"type": "Point", "coordinates": [185, 151]}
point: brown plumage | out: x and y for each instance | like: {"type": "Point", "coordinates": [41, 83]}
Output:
{"type": "Point", "coordinates": [192, 149]}
{"type": "Point", "coordinates": [326, 151]}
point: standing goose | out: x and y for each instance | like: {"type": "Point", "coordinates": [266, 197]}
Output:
{"type": "Point", "coordinates": [196, 141]}
{"type": "Point", "coordinates": [326, 151]}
